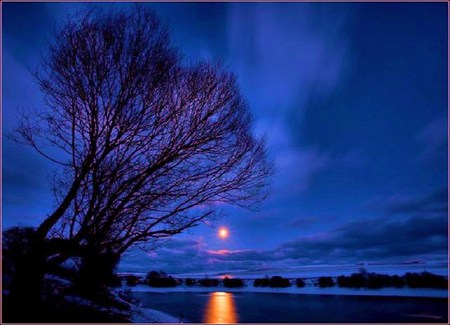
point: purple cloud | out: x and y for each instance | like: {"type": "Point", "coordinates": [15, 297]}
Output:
{"type": "Point", "coordinates": [419, 236]}
{"type": "Point", "coordinates": [435, 202]}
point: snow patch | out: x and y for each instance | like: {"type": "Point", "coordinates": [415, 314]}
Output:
{"type": "Point", "coordinates": [147, 315]}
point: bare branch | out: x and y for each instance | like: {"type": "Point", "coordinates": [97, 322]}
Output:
{"type": "Point", "coordinates": [151, 146]}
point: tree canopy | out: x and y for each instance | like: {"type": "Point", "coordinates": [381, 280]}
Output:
{"type": "Point", "coordinates": [147, 146]}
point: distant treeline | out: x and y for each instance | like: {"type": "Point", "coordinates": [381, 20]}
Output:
{"type": "Point", "coordinates": [273, 282]}
{"type": "Point", "coordinates": [362, 279]}
{"type": "Point", "coordinates": [374, 280]}
{"type": "Point", "coordinates": [162, 280]}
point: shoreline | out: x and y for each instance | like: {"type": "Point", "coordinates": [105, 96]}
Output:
{"type": "Point", "coordinates": [149, 315]}
{"type": "Point", "coordinates": [308, 290]}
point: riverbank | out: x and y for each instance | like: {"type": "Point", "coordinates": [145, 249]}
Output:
{"type": "Point", "coordinates": [307, 290]}
{"type": "Point", "coordinates": [147, 315]}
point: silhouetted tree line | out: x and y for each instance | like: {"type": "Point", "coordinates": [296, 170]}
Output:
{"type": "Point", "coordinates": [300, 283]}
{"type": "Point", "coordinates": [325, 281]}
{"type": "Point", "coordinates": [362, 279]}
{"type": "Point", "coordinates": [160, 280]}
{"type": "Point", "coordinates": [232, 283]}
{"type": "Point", "coordinates": [273, 282]}
{"type": "Point", "coordinates": [132, 280]}
{"type": "Point", "coordinates": [208, 282]}
{"type": "Point", "coordinates": [374, 280]}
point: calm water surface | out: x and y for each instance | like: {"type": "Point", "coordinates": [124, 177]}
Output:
{"type": "Point", "coordinates": [223, 307]}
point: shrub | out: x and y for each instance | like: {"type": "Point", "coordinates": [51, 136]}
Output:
{"type": "Point", "coordinates": [115, 281]}
{"type": "Point", "coordinates": [430, 280]}
{"type": "Point", "coordinates": [375, 281]}
{"type": "Point", "coordinates": [96, 272]}
{"type": "Point", "coordinates": [263, 282]}
{"type": "Point", "coordinates": [425, 280]}
{"type": "Point", "coordinates": [411, 280]}
{"type": "Point", "coordinates": [132, 280]}
{"type": "Point", "coordinates": [162, 282]}
{"type": "Point", "coordinates": [17, 243]}
{"type": "Point", "coordinates": [344, 281]}
{"type": "Point", "coordinates": [325, 281]}
{"type": "Point", "coordinates": [357, 280]}
{"type": "Point", "coordinates": [232, 283]}
{"type": "Point", "coordinates": [397, 281]}
{"type": "Point", "coordinates": [300, 283]}
{"type": "Point", "coordinates": [209, 282]}
{"type": "Point", "coordinates": [152, 275]}
{"type": "Point", "coordinates": [23, 264]}
{"type": "Point", "coordinates": [190, 282]}
{"type": "Point", "coordinates": [279, 282]}
{"type": "Point", "coordinates": [274, 282]}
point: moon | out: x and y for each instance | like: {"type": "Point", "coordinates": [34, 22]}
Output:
{"type": "Point", "coordinates": [223, 233]}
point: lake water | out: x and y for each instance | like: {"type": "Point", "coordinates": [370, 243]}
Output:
{"type": "Point", "coordinates": [223, 307]}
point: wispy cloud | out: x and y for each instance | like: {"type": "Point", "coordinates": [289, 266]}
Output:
{"type": "Point", "coordinates": [434, 202]}
{"type": "Point", "coordinates": [417, 236]}
{"type": "Point", "coordinates": [283, 53]}
{"type": "Point", "coordinates": [283, 56]}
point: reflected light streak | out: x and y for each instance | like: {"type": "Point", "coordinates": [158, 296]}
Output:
{"type": "Point", "coordinates": [220, 309]}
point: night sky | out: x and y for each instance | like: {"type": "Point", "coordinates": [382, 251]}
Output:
{"type": "Point", "coordinates": [351, 97]}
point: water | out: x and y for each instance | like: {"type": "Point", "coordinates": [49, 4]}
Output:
{"type": "Point", "coordinates": [222, 307]}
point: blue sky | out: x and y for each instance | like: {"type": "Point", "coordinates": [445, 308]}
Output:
{"type": "Point", "coordinates": [352, 98]}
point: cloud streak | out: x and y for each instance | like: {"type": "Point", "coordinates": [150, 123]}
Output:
{"type": "Point", "coordinates": [419, 236]}
{"type": "Point", "coordinates": [284, 56]}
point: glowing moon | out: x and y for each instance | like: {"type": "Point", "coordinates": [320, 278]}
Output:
{"type": "Point", "coordinates": [223, 233]}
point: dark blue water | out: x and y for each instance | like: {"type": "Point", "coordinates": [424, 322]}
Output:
{"type": "Point", "coordinates": [295, 308]}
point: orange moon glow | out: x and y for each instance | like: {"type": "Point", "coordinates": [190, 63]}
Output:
{"type": "Point", "coordinates": [223, 233]}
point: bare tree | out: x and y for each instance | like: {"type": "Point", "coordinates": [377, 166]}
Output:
{"type": "Point", "coordinates": [147, 146]}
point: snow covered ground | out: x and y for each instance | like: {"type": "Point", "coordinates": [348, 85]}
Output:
{"type": "Point", "coordinates": [139, 314]}
{"type": "Point", "coordinates": [147, 315]}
